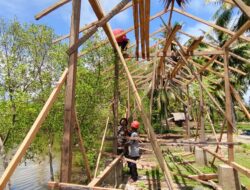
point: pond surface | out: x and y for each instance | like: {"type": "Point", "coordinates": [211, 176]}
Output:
{"type": "Point", "coordinates": [31, 175]}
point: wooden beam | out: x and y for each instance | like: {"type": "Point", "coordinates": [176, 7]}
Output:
{"type": "Point", "coordinates": [239, 168]}
{"type": "Point", "coordinates": [32, 132]}
{"type": "Point", "coordinates": [243, 7]}
{"type": "Point", "coordinates": [102, 23]}
{"type": "Point", "coordinates": [70, 186]}
{"type": "Point", "coordinates": [191, 48]}
{"type": "Point", "coordinates": [245, 27]}
{"type": "Point", "coordinates": [240, 101]}
{"type": "Point", "coordinates": [208, 93]}
{"type": "Point", "coordinates": [51, 8]}
{"type": "Point", "coordinates": [125, 32]}
{"type": "Point", "coordinates": [239, 57]}
{"type": "Point", "coordinates": [170, 37]}
{"type": "Point", "coordinates": [96, 181]}
{"type": "Point", "coordinates": [205, 177]}
{"type": "Point", "coordinates": [210, 24]}
{"type": "Point", "coordinates": [69, 105]}
{"type": "Point", "coordinates": [88, 26]}
{"type": "Point", "coordinates": [230, 68]}
{"type": "Point", "coordinates": [226, 45]}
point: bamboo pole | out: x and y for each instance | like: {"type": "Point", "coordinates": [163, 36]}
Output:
{"type": "Point", "coordinates": [82, 147]}
{"type": "Point", "coordinates": [101, 148]}
{"type": "Point", "coordinates": [32, 132]}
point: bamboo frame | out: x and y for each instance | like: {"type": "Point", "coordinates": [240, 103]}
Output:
{"type": "Point", "coordinates": [184, 54]}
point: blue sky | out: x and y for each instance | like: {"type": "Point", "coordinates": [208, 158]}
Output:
{"type": "Point", "coordinates": [59, 20]}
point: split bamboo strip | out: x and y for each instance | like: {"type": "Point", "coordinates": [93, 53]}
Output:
{"type": "Point", "coordinates": [142, 26]}
{"type": "Point", "coordinates": [136, 26]}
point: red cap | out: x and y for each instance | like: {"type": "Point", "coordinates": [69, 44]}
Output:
{"type": "Point", "coordinates": [135, 124]}
{"type": "Point", "coordinates": [122, 38]}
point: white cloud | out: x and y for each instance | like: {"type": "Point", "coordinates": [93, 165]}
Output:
{"type": "Point", "coordinates": [108, 5]}
{"type": "Point", "coordinates": [197, 6]}
{"type": "Point", "coordinates": [195, 30]}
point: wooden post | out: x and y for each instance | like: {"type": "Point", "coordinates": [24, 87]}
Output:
{"type": "Point", "coordinates": [116, 102]}
{"type": "Point", "coordinates": [69, 120]}
{"type": "Point", "coordinates": [202, 122]}
{"type": "Point", "coordinates": [229, 111]}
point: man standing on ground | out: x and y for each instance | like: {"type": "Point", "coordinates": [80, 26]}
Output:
{"type": "Point", "coordinates": [134, 152]}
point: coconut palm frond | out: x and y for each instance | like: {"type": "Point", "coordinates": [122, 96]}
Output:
{"type": "Point", "coordinates": [241, 21]}
{"type": "Point", "coordinates": [181, 3]}
{"type": "Point", "coordinates": [224, 18]}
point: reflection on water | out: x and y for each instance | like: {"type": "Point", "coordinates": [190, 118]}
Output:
{"type": "Point", "coordinates": [31, 175]}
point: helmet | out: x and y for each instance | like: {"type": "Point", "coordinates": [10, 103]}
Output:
{"type": "Point", "coordinates": [120, 38]}
{"type": "Point", "coordinates": [135, 124]}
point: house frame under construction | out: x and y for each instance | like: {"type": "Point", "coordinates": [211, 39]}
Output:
{"type": "Point", "coordinates": [164, 70]}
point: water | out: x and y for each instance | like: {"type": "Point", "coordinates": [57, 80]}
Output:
{"type": "Point", "coordinates": [31, 175]}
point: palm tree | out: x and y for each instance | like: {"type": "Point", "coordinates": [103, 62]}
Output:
{"type": "Point", "coordinates": [227, 12]}
{"type": "Point", "coordinates": [179, 2]}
